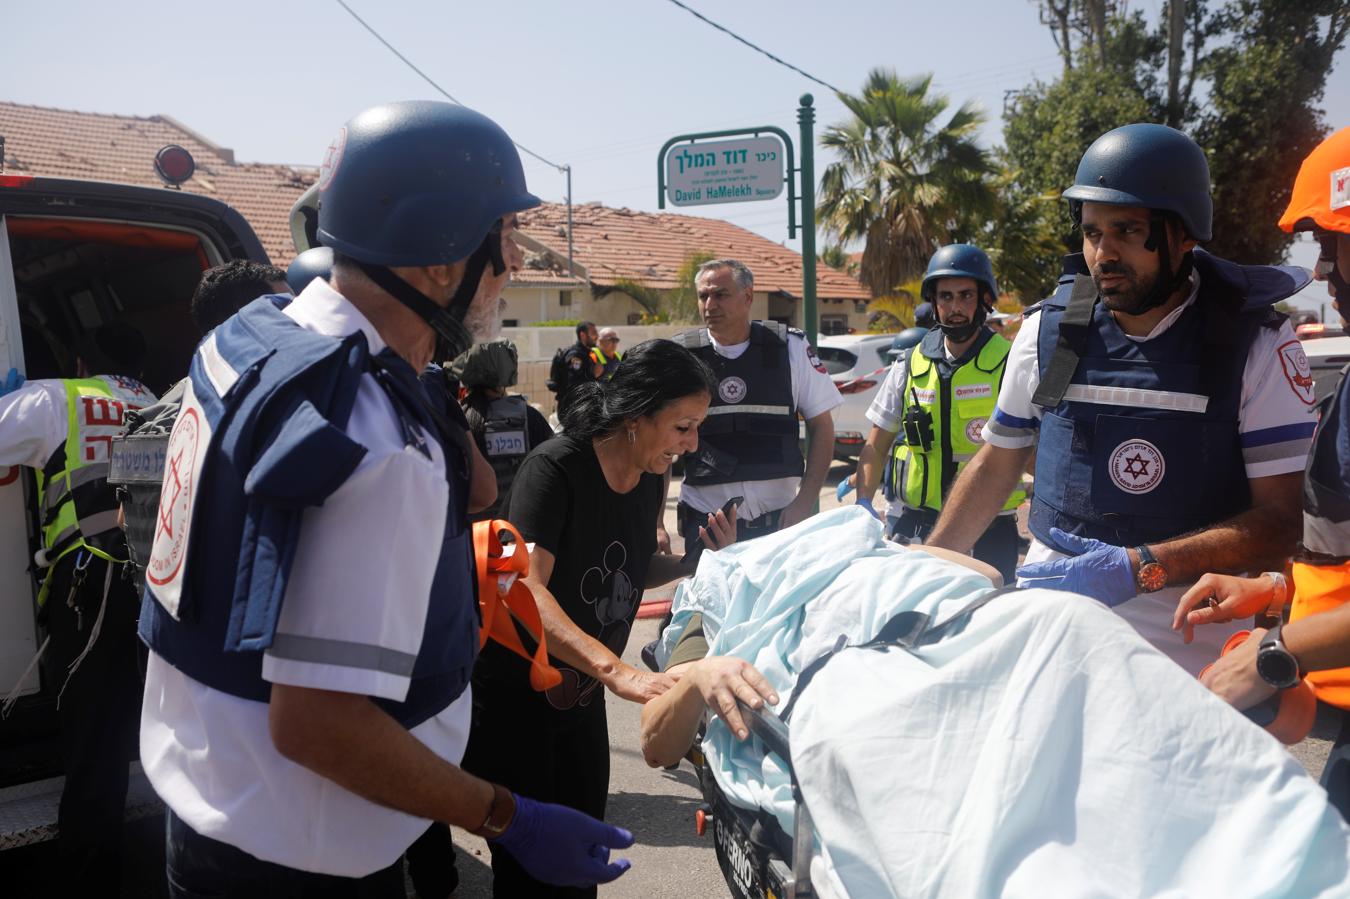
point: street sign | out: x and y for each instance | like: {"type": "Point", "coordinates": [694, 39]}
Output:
{"type": "Point", "coordinates": [725, 171]}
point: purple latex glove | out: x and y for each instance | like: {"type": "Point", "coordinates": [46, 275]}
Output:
{"type": "Point", "coordinates": [1094, 569]}
{"type": "Point", "coordinates": [867, 504]}
{"type": "Point", "coordinates": [562, 846]}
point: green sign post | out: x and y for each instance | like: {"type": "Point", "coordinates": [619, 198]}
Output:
{"type": "Point", "coordinates": [738, 171]}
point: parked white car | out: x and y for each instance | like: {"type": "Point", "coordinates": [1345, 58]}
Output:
{"type": "Point", "coordinates": [858, 364]}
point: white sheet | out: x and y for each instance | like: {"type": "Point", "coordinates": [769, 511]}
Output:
{"type": "Point", "coordinates": [1046, 750]}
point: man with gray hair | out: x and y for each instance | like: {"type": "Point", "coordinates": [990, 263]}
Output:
{"type": "Point", "coordinates": [748, 449]}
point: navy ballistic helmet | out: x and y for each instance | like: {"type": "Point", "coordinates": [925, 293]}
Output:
{"type": "Point", "coordinates": [311, 264]}
{"type": "Point", "coordinates": [960, 260]}
{"type": "Point", "coordinates": [1151, 166]}
{"type": "Point", "coordinates": [906, 339]}
{"type": "Point", "coordinates": [417, 183]}
{"type": "Point", "coordinates": [924, 316]}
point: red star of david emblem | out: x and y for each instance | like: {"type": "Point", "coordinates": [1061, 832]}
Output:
{"type": "Point", "coordinates": [165, 522]}
{"type": "Point", "coordinates": [1136, 466]}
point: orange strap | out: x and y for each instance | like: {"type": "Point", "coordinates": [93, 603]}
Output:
{"type": "Point", "coordinates": [1321, 588]}
{"type": "Point", "coordinates": [499, 602]}
{"type": "Point", "coordinates": [1297, 707]}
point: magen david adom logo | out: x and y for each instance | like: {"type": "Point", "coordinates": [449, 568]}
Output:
{"type": "Point", "coordinates": [1137, 466]}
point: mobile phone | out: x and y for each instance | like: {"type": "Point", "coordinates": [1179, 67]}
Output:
{"type": "Point", "coordinates": [734, 503]}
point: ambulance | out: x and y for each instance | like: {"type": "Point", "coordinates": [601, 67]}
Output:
{"type": "Point", "coordinates": [73, 256]}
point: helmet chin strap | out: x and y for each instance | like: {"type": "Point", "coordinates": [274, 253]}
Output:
{"type": "Point", "coordinates": [1329, 266]}
{"type": "Point", "coordinates": [452, 338]}
{"type": "Point", "coordinates": [1163, 287]}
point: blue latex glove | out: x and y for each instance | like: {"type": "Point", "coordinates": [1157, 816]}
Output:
{"type": "Point", "coordinates": [562, 846]}
{"type": "Point", "coordinates": [1094, 569]}
{"type": "Point", "coordinates": [13, 381]}
{"type": "Point", "coordinates": [843, 490]}
{"type": "Point", "coordinates": [867, 504]}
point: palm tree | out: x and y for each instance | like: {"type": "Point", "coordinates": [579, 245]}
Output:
{"type": "Point", "coordinates": [907, 180]}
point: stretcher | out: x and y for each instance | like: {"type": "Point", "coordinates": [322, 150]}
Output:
{"type": "Point", "coordinates": [759, 859]}
{"type": "Point", "coordinates": [1037, 747]}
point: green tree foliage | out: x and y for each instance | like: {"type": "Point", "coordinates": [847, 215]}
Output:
{"type": "Point", "coordinates": [836, 257]}
{"type": "Point", "coordinates": [909, 177]}
{"type": "Point", "coordinates": [681, 303]}
{"type": "Point", "coordinates": [1258, 67]}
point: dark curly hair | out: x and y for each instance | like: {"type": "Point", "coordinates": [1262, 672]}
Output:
{"type": "Point", "coordinates": [225, 289]}
{"type": "Point", "coordinates": [653, 374]}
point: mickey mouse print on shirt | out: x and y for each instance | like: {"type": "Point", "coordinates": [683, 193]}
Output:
{"type": "Point", "coordinates": [611, 594]}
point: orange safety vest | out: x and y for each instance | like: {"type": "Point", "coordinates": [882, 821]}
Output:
{"type": "Point", "coordinates": [1321, 588]}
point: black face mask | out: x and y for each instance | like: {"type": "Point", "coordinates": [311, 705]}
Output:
{"type": "Point", "coordinates": [1328, 267]}
{"type": "Point", "coordinates": [452, 338]}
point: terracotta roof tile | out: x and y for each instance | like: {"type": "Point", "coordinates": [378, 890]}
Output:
{"type": "Point", "coordinates": [614, 244]}
{"type": "Point", "coordinates": [610, 244]}
{"type": "Point", "coordinates": [92, 146]}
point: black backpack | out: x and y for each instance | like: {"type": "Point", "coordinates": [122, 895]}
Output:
{"type": "Point", "coordinates": [557, 370]}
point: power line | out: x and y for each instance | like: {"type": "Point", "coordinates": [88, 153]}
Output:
{"type": "Point", "coordinates": [757, 49]}
{"type": "Point", "coordinates": [427, 78]}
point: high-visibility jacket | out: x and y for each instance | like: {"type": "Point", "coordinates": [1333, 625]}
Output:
{"type": "Point", "coordinates": [960, 405]}
{"type": "Point", "coordinates": [610, 363]}
{"type": "Point", "coordinates": [1322, 573]}
{"type": "Point", "coordinates": [79, 508]}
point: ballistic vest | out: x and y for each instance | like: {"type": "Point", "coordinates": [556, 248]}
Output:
{"type": "Point", "coordinates": [1144, 443]}
{"type": "Point", "coordinates": [261, 437]}
{"type": "Point", "coordinates": [610, 363]}
{"type": "Point", "coordinates": [960, 405]}
{"type": "Point", "coordinates": [503, 433]}
{"type": "Point", "coordinates": [1322, 567]}
{"type": "Point", "coordinates": [751, 432]}
{"type": "Point", "coordinates": [79, 508]}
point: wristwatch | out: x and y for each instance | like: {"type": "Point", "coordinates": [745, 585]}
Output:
{"type": "Point", "coordinates": [1151, 576]}
{"type": "Point", "coordinates": [1277, 665]}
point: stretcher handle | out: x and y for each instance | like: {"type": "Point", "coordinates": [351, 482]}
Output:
{"type": "Point", "coordinates": [765, 724]}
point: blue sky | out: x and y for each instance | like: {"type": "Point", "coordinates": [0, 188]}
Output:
{"type": "Point", "coordinates": [599, 84]}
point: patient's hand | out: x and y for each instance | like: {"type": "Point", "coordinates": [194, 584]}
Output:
{"type": "Point", "coordinates": [721, 680]}
{"type": "Point", "coordinates": [1218, 598]}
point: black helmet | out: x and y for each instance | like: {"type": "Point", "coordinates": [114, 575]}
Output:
{"type": "Point", "coordinates": [906, 339]}
{"type": "Point", "coordinates": [311, 264]}
{"type": "Point", "coordinates": [421, 183]}
{"type": "Point", "coordinates": [1151, 166]}
{"type": "Point", "coordinates": [925, 316]}
{"type": "Point", "coordinates": [962, 260]}
{"type": "Point", "coordinates": [490, 364]}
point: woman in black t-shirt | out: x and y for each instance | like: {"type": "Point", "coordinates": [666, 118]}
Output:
{"type": "Point", "coordinates": [589, 501]}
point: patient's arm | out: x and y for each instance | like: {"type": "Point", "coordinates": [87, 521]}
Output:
{"type": "Point", "coordinates": [670, 721]}
{"type": "Point", "coordinates": [964, 561]}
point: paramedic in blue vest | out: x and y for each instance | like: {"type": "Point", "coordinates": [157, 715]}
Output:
{"type": "Point", "coordinates": [310, 604]}
{"type": "Point", "coordinates": [930, 412]}
{"type": "Point", "coordinates": [87, 603]}
{"type": "Point", "coordinates": [767, 375]}
{"type": "Point", "coordinates": [1166, 401]}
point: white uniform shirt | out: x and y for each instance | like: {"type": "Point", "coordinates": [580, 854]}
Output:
{"type": "Point", "coordinates": [813, 392]}
{"type": "Point", "coordinates": [1275, 424]}
{"type": "Point", "coordinates": [354, 609]}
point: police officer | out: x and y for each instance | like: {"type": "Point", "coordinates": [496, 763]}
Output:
{"type": "Point", "coordinates": [63, 430]}
{"type": "Point", "coordinates": [1165, 400]}
{"type": "Point", "coordinates": [306, 698]}
{"type": "Point", "coordinates": [937, 397]}
{"type": "Point", "coordinates": [606, 353]}
{"type": "Point", "coordinates": [575, 364]}
{"type": "Point", "coordinates": [1316, 641]}
{"type": "Point", "coordinates": [748, 445]}
{"type": "Point", "coordinates": [504, 426]}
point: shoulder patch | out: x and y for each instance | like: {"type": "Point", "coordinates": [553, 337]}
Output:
{"type": "Point", "coordinates": [1297, 371]}
{"type": "Point", "coordinates": [815, 360]}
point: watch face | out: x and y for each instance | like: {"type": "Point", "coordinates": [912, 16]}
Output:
{"type": "Point", "coordinates": [1152, 577]}
{"type": "Point", "coordinates": [1277, 667]}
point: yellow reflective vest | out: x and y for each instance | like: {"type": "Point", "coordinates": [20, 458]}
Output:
{"type": "Point", "coordinates": [960, 406]}
{"type": "Point", "coordinates": [79, 509]}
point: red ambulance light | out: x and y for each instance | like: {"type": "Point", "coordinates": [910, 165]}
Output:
{"type": "Point", "coordinates": [15, 180]}
{"type": "Point", "coordinates": [174, 164]}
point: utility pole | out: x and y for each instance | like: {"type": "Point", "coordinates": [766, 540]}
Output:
{"type": "Point", "coordinates": [571, 271]}
{"type": "Point", "coordinates": [806, 115]}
